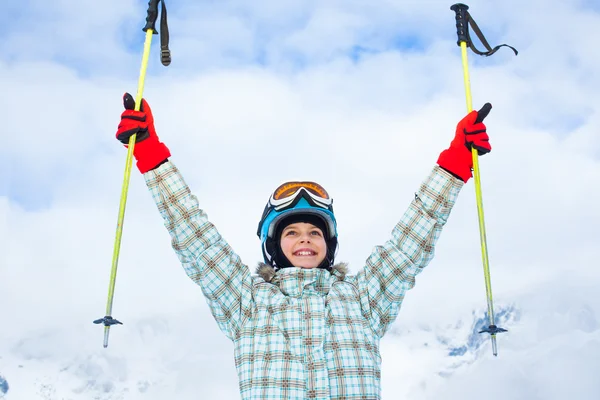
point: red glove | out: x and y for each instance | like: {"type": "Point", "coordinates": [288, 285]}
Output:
{"type": "Point", "coordinates": [470, 132]}
{"type": "Point", "coordinates": [148, 151]}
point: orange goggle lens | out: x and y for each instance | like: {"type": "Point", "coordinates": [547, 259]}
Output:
{"type": "Point", "coordinates": [289, 188]}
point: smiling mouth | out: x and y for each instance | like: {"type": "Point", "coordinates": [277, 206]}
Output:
{"type": "Point", "coordinates": [305, 253]}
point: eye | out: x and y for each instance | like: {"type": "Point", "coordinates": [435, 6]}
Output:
{"type": "Point", "coordinates": [290, 232]}
{"type": "Point", "coordinates": [315, 233]}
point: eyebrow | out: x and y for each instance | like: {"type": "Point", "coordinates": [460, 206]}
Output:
{"type": "Point", "coordinates": [290, 228]}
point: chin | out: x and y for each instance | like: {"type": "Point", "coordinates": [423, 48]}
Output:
{"type": "Point", "coordinates": [307, 266]}
{"type": "Point", "coordinates": [304, 263]}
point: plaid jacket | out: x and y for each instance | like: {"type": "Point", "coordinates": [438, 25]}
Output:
{"type": "Point", "coordinates": [304, 333]}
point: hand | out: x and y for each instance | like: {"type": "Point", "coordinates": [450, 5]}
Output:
{"type": "Point", "coordinates": [470, 133]}
{"type": "Point", "coordinates": [148, 151]}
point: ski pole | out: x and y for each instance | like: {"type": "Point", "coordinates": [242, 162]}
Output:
{"type": "Point", "coordinates": [150, 29]}
{"type": "Point", "coordinates": [462, 19]}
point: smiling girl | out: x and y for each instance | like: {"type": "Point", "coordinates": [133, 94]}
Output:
{"type": "Point", "coordinates": [302, 328]}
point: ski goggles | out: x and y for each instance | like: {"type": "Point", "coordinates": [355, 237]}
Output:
{"type": "Point", "coordinates": [289, 193]}
{"type": "Point", "coordinates": [287, 196]}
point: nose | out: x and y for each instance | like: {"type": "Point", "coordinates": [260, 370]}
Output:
{"type": "Point", "coordinates": [305, 238]}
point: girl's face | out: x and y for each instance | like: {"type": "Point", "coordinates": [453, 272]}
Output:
{"type": "Point", "coordinates": [304, 245]}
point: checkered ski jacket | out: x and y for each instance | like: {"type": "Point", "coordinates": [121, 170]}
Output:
{"type": "Point", "coordinates": [304, 333]}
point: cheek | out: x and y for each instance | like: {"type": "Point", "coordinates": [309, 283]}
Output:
{"type": "Point", "coordinates": [286, 246]}
{"type": "Point", "coordinates": [322, 245]}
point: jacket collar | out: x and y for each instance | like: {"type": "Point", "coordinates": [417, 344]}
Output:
{"type": "Point", "coordinates": [293, 281]}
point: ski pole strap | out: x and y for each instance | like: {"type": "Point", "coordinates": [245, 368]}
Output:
{"type": "Point", "coordinates": [165, 53]}
{"type": "Point", "coordinates": [463, 21]}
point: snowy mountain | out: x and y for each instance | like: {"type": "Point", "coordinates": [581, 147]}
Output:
{"type": "Point", "coordinates": [3, 386]}
{"type": "Point", "coordinates": [179, 356]}
{"type": "Point", "coordinates": [35, 369]}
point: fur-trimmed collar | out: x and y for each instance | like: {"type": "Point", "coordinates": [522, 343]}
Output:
{"type": "Point", "coordinates": [267, 272]}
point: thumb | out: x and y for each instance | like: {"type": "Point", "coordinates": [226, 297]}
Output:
{"type": "Point", "coordinates": [128, 101]}
{"type": "Point", "coordinates": [483, 112]}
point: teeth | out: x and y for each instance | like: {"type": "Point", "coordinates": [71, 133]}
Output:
{"type": "Point", "coordinates": [305, 253]}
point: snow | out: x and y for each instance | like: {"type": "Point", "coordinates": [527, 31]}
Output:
{"type": "Point", "coordinates": [171, 356]}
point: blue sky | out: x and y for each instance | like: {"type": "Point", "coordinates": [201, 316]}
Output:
{"type": "Point", "coordinates": [356, 95]}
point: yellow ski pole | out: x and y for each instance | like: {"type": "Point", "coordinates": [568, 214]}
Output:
{"type": "Point", "coordinates": [108, 320]}
{"type": "Point", "coordinates": [462, 18]}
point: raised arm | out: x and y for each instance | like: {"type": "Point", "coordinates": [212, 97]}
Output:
{"type": "Point", "coordinates": [206, 257]}
{"type": "Point", "coordinates": [391, 269]}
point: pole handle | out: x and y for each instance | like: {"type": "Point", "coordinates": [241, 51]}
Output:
{"type": "Point", "coordinates": [152, 16]}
{"type": "Point", "coordinates": [461, 22]}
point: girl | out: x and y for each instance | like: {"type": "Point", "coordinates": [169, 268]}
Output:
{"type": "Point", "coordinates": [302, 328]}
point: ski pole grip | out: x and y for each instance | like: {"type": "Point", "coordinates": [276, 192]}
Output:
{"type": "Point", "coordinates": [461, 21]}
{"type": "Point", "coordinates": [152, 16]}
{"type": "Point", "coordinates": [165, 56]}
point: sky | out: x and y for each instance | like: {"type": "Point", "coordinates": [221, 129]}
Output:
{"type": "Point", "coordinates": [359, 96]}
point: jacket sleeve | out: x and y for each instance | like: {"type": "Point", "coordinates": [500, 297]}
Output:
{"type": "Point", "coordinates": [205, 256]}
{"type": "Point", "coordinates": [391, 269]}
